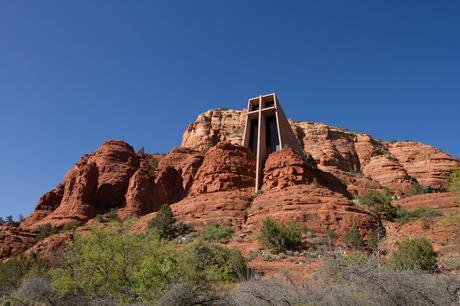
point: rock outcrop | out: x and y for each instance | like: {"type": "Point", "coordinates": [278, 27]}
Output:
{"type": "Point", "coordinates": [296, 192]}
{"type": "Point", "coordinates": [175, 174]}
{"type": "Point", "coordinates": [214, 126]}
{"type": "Point", "coordinates": [210, 179]}
{"type": "Point", "coordinates": [225, 167]}
{"type": "Point", "coordinates": [430, 166]}
{"type": "Point", "coordinates": [357, 158]}
{"type": "Point", "coordinates": [14, 240]}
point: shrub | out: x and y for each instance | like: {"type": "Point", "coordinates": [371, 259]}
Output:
{"type": "Point", "coordinates": [416, 189]}
{"type": "Point", "coordinates": [330, 236]}
{"type": "Point", "coordinates": [280, 237]}
{"type": "Point", "coordinates": [353, 238]}
{"type": "Point", "coordinates": [414, 254]}
{"type": "Point", "coordinates": [45, 231]}
{"type": "Point", "coordinates": [48, 230]}
{"type": "Point", "coordinates": [372, 240]}
{"type": "Point", "coordinates": [210, 262]}
{"type": "Point", "coordinates": [215, 232]}
{"type": "Point", "coordinates": [315, 182]}
{"type": "Point", "coordinates": [184, 228]}
{"type": "Point", "coordinates": [378, 202]}
{"type": "Point", "coordinates": [152, 162]}
{"type": "Point", "coordinates": [403, 215]}
{"type": "Point", "coordinates": [70, 226]}
{"type": "Point", "coordinates": [14, 270]}
{"type": "Point", "coordinates": [112, 262]}
{"type": "Point", "coordinates": [454, 181]}
{"type": "Point", "coordinates": [163, 223]}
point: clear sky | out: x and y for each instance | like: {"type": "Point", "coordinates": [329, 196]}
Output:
{"type": "Point", "coordinates": [76, 73]}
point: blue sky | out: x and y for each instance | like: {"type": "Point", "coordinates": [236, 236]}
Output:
{"type": "Point", "coordinates": [76, 73]}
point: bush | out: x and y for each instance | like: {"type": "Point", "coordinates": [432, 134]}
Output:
{"type": "Point", "coordinates": [184, 228]}
{"type": "Point", "coordinates": [414, 254]}
{"type": "Point", "coordinates": [116, 264]}
{"type": "Point", "coordinates": [152, 162]}
{"type": "Point", "coordinates": [211, 262]}
{"type": "Point", "coordinates": [404, 216]}
{"type": "Point", "coordinates": [378, 202]}
{"type": "Point", "coordinates": [48, 230]}
{"type": "Point", "coordinates": [353, 239]}
{"type": "Point", "coordinates": [163, 223]}
{"type": "Point", "coordinates": [454, 181]}
{"type": "Point", "coordinates": [416, 189]}
{"type": "Point", "coordinates": [14, 270]}
{"type": "Point", "coordinates": [215, 232]}
{"type": "Point", "coordinates": [70, 226]}
{"type": "Point", "coordinates": [280, 237]}
{"type": "Point", "coordinates": [45, 231]}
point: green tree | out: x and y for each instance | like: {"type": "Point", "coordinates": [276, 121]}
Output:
{"type": "Point", "coordinates": [414, 254]}
{"type": "Point", "coordinates": [211, 262]}
{"type": "Point", "coordinates": [354, 239]}
{"type": "Point", "coordinates": [416, 189]}
{"type": "Point", "coordinates": [454, 182]}
{"type": "Point", "coordinates": [279, 236]}
{"type": "Point", "coordinates": [112, 262]}
{"type": "Point", "coordinates": [215, 232]}
{"type": "Point", "coordinates": [163, 223]}
{"type": "Point", "coordinates": [378, 202]}
{"type": "Point", "coordinates": [14, 270]}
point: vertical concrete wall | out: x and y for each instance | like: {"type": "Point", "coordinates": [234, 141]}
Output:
{"type": "Point", "coordinates": [286, 137]}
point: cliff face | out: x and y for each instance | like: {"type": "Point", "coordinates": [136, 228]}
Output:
{"type": "Point", "coordinates": [210, 179]}
{"type": "Point", "coordinates": [393, 165]}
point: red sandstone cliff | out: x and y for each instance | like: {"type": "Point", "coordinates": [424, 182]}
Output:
{"type": "Point", "coordinates": [210, 179]}
{"type": "Point", "coordinates": [355, 157]}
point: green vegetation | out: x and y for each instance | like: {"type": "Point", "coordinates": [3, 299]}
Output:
{"type": "Point", "coordinates": [280, 237]}
{"type": "Point", "coordinates": [16, 269]}
{"type": "Point", "coordinates": [135, 267]}
{"type": "Point", "coordinates": [372, 240]}
{"type": "Point", "coordinates": [48, 230]}
{"type": "Point", "coordinates": [111, 265]}
{"type": "Point", "coordinates": [354, 239]}
{"type": "Point", "coordinates": [183, 228]}
{"type": "Point", "coordinates": [426, 213]}
{"type": "Point", "coordinates": [215, 232]}
{"type": "Point", "coordinates": [163, 223]}
{"type": "Point", "coordinates": [315, 182]}
{"type": "Point", "coordinates": [417, 189]}
{"type": "Point", "coordinates": [414, 254]}
{"type": "Point", "coordinates": [454, 182]}
{"type": "Point", "coordinates": [153, 164]}
{"type": "Point", "coordinates": [378, 202]}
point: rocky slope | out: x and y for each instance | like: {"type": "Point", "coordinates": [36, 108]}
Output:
{"type": "Point", "coordinates": [393, 165]}
{"type": "Point", "coordinates": [210, 179]}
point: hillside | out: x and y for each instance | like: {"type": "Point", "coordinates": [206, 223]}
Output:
{"type": "Point", "coordinates": [209, 179]}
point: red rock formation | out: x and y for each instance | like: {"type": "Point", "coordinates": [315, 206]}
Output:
{"type": "Point", "coordinates": [175, 175]}
{"type": "Point", "coordinates": [225, 208]}
{"type": "Point", "coordinates": [51, 245]}
{"type": "Point", "coordinates": [225, 167]}
{"type": "Point", "coordinates": [444, 201]}
{"type": "Point", "coordinates": [97, 183]}
{"type": "Point", "coordinates": [340, 152]}
{"type": "Point", "coordinates": [316, 207]}
{"type": "Point", "coordinates": [430, 166]}
{"type": "Point", "coordinates": [139, 196]}
{"type": "Point", "coordinates": [291, 196]}
{"type": "Point", "coordinates": [214, 126]}
{"type": "Point", "coordinates": [222, 188]}
{"type": "Point", "coordinates": [389, 173]}
{"type": "Point", "coordinates": [14, 240]}
{"type": "Point", "coordinates": [45, 206]}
